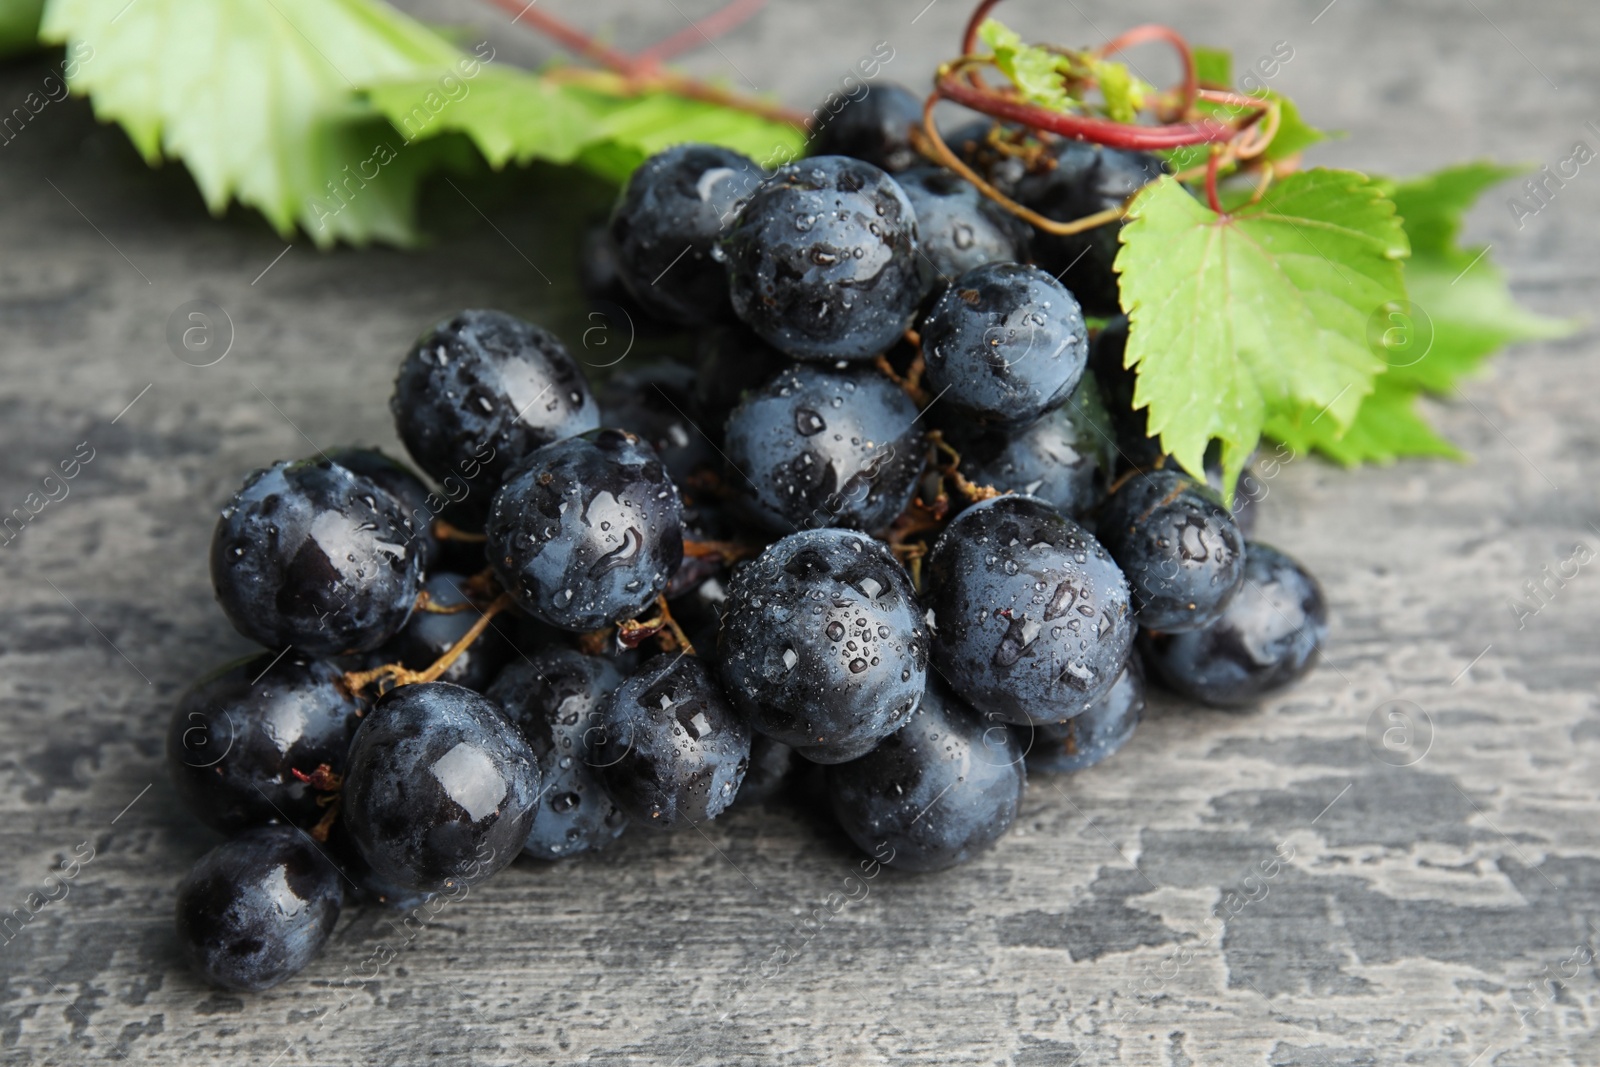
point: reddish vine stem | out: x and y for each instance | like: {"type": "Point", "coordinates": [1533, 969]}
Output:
{"type": "Point", "coordinates": [969, 39]}
{"type": "Point", "coordinates": [713, 25]}
{"type": "Point", "coordinates": [1189, 89]}
{"type": "Point", "coordinates": [960, 82]}
{"type": "Point", "coordinates": [569, 37]}
{"type": "Point", "coordinates": [931, 143]}
{"type": "Point", "coordinates": [1113, 134]}
{"type": "Point", "coordinates": [323, 778]}
{"type": "Point", "coordinates": [1212, 166]}
{"type": "Point", "coordinates": [634, 77]}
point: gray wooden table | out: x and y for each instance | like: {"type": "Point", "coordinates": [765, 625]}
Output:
{"type": "Point", "coordinates": [1434, 885]}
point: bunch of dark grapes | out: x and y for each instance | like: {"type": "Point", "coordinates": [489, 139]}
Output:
{"type": "Point", "coordinates": [900, 518]}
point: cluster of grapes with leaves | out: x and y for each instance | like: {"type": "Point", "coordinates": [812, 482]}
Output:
{"type": "Point", "coordinates": [1310, 305]}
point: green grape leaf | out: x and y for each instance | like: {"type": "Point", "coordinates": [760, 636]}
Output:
{"type": "Point", "coordinates": [512, 116]}
{"type": "Point", "coordinates": [647, 124]}
{"type": "Point", "coordinates": [19, 27]}
{"type": "Point", "coordinates": [1046, 78]}
{"type": "Point", "coordinates": [256, 99]}
{"type": "Point", "coordinates": [1213, 66]}
{"type": "Point", "coordinates": [1295, 134]}
{"type": "Point", "coordinates": [1432, 205]}
{"type": "Point", "coordinates": [515, 116]}
{"type": "Point", "coordinates": [1239, 318]}
{"type": "Point", "coordinates": [1185, 157]}
{"type": "Point", "coordinates": [1036, 72]}
{"type": "Point", "coordinates": [1460, 310]}
{"type": "Point", "coordinates": [1123, 93]}
{"type": "Point", "coordinates": [1386, 428]}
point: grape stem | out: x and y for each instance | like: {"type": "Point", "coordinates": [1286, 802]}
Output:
{"type": "Point", "coordinates": [911, 557]}
{"type": "Point", "coordinates": [320, 832]}
{"type": "Point", "coordinates": [969, 489]}
{"type": "Point", "coordinates": [323, 778]}
{"type": "Point", "coordinates": [445, 531]}
{"type": "Point", "coordinates": [664, 628]}
{"type": "Point", "coordinates": [919, 518]}
{"type": "Point", "coordinates": [1189, 90]}
{"type": "Point", "coordinates": [429, 606]}
{"type": "Point", "coordinates": [1179, 121]}
{"type": "Point", "coordinates": [727, 551]}
{"type": "Point", "coordinates": [910, 382]}
{"type": "Point", "coordinates": [631, 633]}
{"type": "Point", "coordinates": [930, 143]}
{"type": "Point", "coordinates": [328, 783]}
{"type": "Point", "coordinates": [395, 674]}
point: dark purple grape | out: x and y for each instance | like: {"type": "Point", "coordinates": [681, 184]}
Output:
{"type": "Point", "coordinates": [478, 392]}
{"type": "Point", "coordinates": [255, 910]}
{"type": "Point", "coordinates": [875, 127]}
{"type": "Point", "coordinates": [421, 504]}
{"type": "Point", "coordinates": [1247, 493]}
{"type": "Point", "coordinates": [959, 228]}
{"type": "Point", "coordinates": [698, 610]}
{"type": "Point", "coordinates": [815, 448]}
{"type": "Point", "coordinates": [587, 532]}
{"type": "Point", "coordinates": [362, 884]}
{"type": "Point", "coordinates": [1004, 344]}
{"type": "Point", "coordinates": [1093, 736]}
{"type": "Point", "coordinates": [935, 794]}
{"type": "Point", "coordinates": [599, 271]}
{"type": "Point", "coordinates": [770, 764]}
{"type": "Point", "coordinates": [1182, 553]}
{"type": "Point", "coordinates": [733, 361]}
{"type": "Point", "coordinates": [1135, 448]}
{"type": "Point", "coordinates": [1267, 639]}
{"type": "Point", "coordinates": [555, 699]}
{"type": "Point", "coordinates": [240, 734]}
{"type": "Point", "coordinates": [1062, 459]}
{"type": "Point", "coordinates": [670, 749]}
{"type": "Point", "coordinates": [823, 643]}
{"type": "Point", "coordinates": [461, 556]}
{"type": "Point", "coordinates": [441, 789]}
{"type": "Point", "coordinates": [843, 752]}
{"type": "Point", "coordinates": [1086, 179]}
{"type": "Point", "coordinates": [654, 403]}
{"type": "Point", "coordinates": [823, 261]}
{"type": "Point", "coordinates": [1030, 615]}
{"type": "Point", "coordinates": [972, 144]}
{"type": "Point", "coordinates": [312, 555]}
{"type": "Point", "coordinates": [668, 217]}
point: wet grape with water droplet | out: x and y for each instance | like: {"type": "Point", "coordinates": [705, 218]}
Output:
{"type": "Point", "coordinates": [555, 698]}
{"type": "Point", "coordinates": [841, 686]}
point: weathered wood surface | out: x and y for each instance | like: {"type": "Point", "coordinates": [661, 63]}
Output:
{"type": "Point", "coordinates": [1425, 908]}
